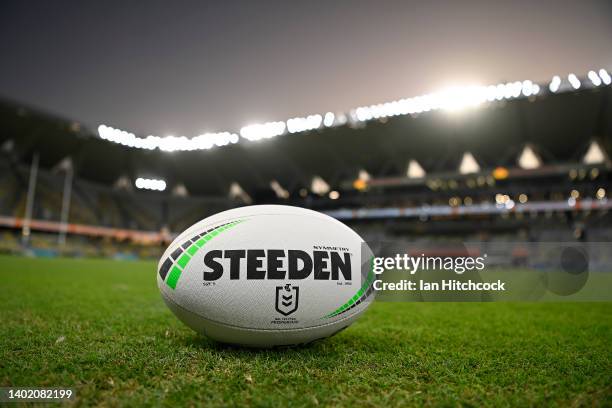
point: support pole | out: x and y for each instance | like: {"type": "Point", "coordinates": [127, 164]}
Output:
{"type": "Point", "coordinates": [25, 231]}
{"type": "Point", "coordinates": [61, 239]}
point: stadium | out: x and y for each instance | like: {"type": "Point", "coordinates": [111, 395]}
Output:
{"type": "Point", "coordinates": [384, 169]}
{"type": "Point", "coordinates": [87, 210]}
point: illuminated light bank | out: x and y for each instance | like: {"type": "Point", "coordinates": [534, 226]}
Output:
{"type": "Point", "coordinates": [451, 99]}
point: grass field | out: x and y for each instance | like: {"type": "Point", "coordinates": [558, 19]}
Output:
{"type": "Point", "coordinates": [102, 328]}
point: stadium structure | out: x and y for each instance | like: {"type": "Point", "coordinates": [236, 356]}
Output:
{"type": "Point", "coordinates": [514, 161]}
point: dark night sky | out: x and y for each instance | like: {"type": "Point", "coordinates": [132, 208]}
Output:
{"type": "Point", "coordinates": [183, 68]}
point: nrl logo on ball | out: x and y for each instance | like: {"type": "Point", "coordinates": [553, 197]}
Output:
{"type": "Point", "coordinates": [287, 299]}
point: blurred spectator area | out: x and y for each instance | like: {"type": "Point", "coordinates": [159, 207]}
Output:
{"type": "Point", "coordinates": [94, 204]}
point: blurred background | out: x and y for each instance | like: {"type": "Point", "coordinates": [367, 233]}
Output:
{"type": "Point", "coordinates": [123, 124]}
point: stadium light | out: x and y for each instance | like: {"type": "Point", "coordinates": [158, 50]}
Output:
{"type": "Point", "coordinates": [259, 131]}
{"type": "Point", "coordinates": [451, 99]}
{"type": "Point", "coordinates": [454, 201]}
{"type": "Point", "coordinates": [528, 159]}
{"type": "Point", "coordinates": [319, 186]}
{"type": "Point", "coordinates": [504, 200]}
{"type": "Point", "coordinates": [555, 83]}
{"type": "Point", "coordinates": [601, 193]}
{"type": "Point", "coordinates": [459, 98]}
{"type": "Point", "coordinates": [150, 184]}
{"type": "Point", "coordinates": [594, 155]}
{"type": "Point", "coordinates": [169, 143]}
{"type": "Point", "coordinates": [279, 190]}
{"type": "Point", "coordinates": [361, 182]}
{"type": "Point", "coordinates": [497, 92]}
{"type": "Point", "coordinates": [529, 88]}
{"type": "Point", "coordinates": [303, 124]}
{"type": "Point", "coordinates": [468, 164]}
{"type": "Point", "coordinates": [415, 170]}
{"type": "Point", "coordinates": [595, 79]}
{"type": "Point", "coordinates": [605, 76]}
{"type": "Point", "coordinates": [364, 175]}
{"type": "Point", "coordinates": [180, 190]}
{"type": "Point", "coordinates": [500, 173]}
{"type": "Point", "coordinates": [123, 183]}
{"type": "Point", "coordinates": [574, 81]}
{"type": "Point", "coordinates": [236, 192]}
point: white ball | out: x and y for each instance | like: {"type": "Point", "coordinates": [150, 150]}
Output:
{"type": "Point", "coordinates": [267, 275]}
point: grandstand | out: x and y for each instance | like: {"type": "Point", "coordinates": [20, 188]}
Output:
{"type": "Point", "coordinates": [512, 161]}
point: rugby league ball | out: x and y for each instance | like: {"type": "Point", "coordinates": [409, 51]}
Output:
{"type": "Point", "coordinates": [267, 275]}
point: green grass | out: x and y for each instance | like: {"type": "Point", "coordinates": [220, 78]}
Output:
{"type": "Point", "coordinates": [102, 328]}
